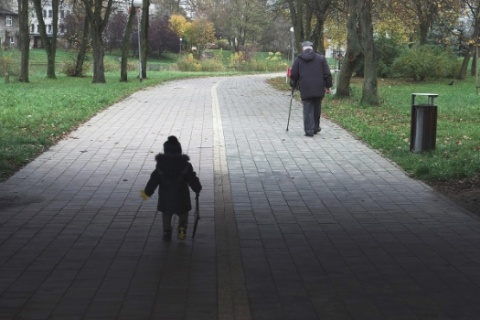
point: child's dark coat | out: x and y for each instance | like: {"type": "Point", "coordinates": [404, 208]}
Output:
{"type": "Point", "coordinates": [173, 175]}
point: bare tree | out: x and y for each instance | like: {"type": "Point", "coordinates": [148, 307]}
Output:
{"type": "Point", "coordinates": [77, 33]}
{"type": "Point", "coordinates": [144, 36]}
{"type": "Point", "coordinates": [115, 31]}
{"type": "Point", "coordinates": [82, 51]}
{"type": "Point", "coordinates": [319, 10]}
{"type": "Point", "coordinates": [360, 45]}
{"type": "Point", "coordinates": [126, 44]}
{"type": "Point", "coordinates": [370, 88]}
{"type": "Point", "coordinates": [354, 52]}
{"type": "Point", "coordinates": [98, 12]}
{"type": "Point", "coordinates": [301, 21]}
{"type": "Point", "coordinates": [473, 7]}
{"type": "Point", "coordinates": [24, 39]}
{"type": "Point", "coordinates": [50, 44]}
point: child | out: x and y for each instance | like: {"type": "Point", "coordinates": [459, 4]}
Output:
{"type": "Point", "coordinates": [173, 175]}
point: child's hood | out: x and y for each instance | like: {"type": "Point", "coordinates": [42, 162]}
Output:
{"type": "Point", "coordinates": [171, 164]}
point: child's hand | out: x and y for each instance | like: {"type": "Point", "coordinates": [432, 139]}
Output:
{"type": "Point", "coordinates": [143, 195]}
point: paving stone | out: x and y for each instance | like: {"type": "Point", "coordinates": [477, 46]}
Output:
{"type": "Point", "coordinates": [321, 228]}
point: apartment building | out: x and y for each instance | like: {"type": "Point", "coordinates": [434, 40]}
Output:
{"type": "Point", "coordinates": [8, 27]}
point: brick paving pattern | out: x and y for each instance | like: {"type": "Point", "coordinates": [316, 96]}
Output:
{"type": "Point", "coordinates": [291, 227]}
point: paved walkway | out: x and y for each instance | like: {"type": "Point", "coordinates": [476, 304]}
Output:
{"type": "Point", "coordinates": [292, 227]}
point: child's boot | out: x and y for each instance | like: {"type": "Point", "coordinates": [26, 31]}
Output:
{"type": "Point", "coordinates": [182, 233]}
{"type": "Point", "coordinates": [167, 235]}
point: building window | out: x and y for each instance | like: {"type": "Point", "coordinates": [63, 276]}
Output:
{"type": "Point", "coordinates": [44, 13]}
{"type": "Point", "coordinates": [12, 42]}
{"type": "Point", "coordinates": [49, 28]}
{"type": "Point", "coordinates": [62, 14]}
{"type": "Point", "coordinates": [50, 13]}
{"type": "Point", "coordinates": [8, 21]}
{"type": "Point", "coordinates": [32, 28]}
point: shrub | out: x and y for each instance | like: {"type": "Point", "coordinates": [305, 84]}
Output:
{"type": "Point", "coordinates": [68, 68]}
{"type": "Point", "coordinates": [271, 62]}
{"type": "Point", "coordinates": [387, 50]}
{"type": "Point", "coordinates": [132, 65]}
{"type": "Point", "coordinates": [111, 65]}
{"type": "Point", "coordinates": [422, 62]}
{"type": "Point", "coordinates": [189, 63]}
{"type": "Point", "coordinates": [275, 63]}
{"type": "Point", "coordinates": [9, 65]}
{"type": "Point", "coordinates": [212, 65]}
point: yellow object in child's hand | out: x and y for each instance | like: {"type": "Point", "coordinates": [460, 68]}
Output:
{"type": "Point", "coordinates": [143, 195]}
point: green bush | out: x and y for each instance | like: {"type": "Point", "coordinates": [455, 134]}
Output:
{"type": "Point", "coordinates": [189, 63]}
{"type": "Point", "coordinates": [9, 64]}
{"type": "Point", "coordinates": [387, 50]}
{"type": "Point", "coordinates": [427, 61]}
{"type": "Point", "coordinates": [219, 61]}
{"type": "Point", "coordinates": [132, 65]}
{"type": "Point", "coordinates": [68, 67]}
{"type": "Point", "coordinates": [241, 61]}
{"type": "Point", "coordinates": [111, 65]}
{"type": "Point", "coordinates": [212, 65]}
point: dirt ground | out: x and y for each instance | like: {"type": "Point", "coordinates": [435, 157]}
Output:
{"type": "Point", "coordinates": [464, 192]}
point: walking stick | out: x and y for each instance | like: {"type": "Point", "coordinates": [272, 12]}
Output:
{"type": "Point", "coordinates": [290, 108]}
{"type": "Point", "coordinates": [197, 216]}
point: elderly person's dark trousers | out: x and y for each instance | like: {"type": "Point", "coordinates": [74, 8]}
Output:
{"type": "Point", "coordinates": [317, 114]}
{"type": "Point", "coordinates": [311, 115]}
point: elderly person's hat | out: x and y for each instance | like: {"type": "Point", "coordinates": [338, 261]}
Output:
{"type": "Point", "coordinates": [307, 44]}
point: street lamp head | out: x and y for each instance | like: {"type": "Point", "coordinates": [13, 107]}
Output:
{"type": "Point", "coordinates": [291, 29]}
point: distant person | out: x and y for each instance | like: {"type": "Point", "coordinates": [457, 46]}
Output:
{"type": "Point", "coordinates": [173, 175]}
{"type": "Point", "coordinates": [310, 72]}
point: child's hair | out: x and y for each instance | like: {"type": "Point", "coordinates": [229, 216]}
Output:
{"type": "Point", "coordinates": [172, 146]}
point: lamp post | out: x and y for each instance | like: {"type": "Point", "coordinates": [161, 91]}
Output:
{"type": "Point", "coordinates": [293, 42]}
{"type": "Point", "coordinates": [138, 6]}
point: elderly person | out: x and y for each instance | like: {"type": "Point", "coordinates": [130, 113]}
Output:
{"type": "Point", "coordinates": [310, 72]}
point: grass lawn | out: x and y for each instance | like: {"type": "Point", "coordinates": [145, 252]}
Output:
{"type": "Point", "coordinates": [34, 115]}
{"type": "Point", "coordinates": [387, 127]}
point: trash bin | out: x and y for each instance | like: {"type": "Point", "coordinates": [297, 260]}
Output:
{"type": "Point", "coordinates": [423, 132]}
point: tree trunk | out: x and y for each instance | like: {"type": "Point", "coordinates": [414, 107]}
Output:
{"type": "Point", "coordinates": [471, 48]}
{"type": "Point", "coordinates": [83, 48]}
{"type": "Point", "coordinates": [370, 85]}
{"type": "Point", "coordinates": [98, 15]}
{"type": "Point", "coordinates": [50, 45]}
{"type": "Point", "coordinates": [319, 9]}
{"type": "Point", "coordinates": [297, 11]}
{"type": "Point", "coordinates": [98, 54]}
{"type": "Point", "coordinates": [24, 39]}
{"type": "Point", "coordinates": [423, 32]}
{"type": "Point", "coordinates": [474, 62]}
{"type": "Point", "coordinates": [353, 53]}
{"type": "Point", "coordinates": [126, 45]}
{"type": "Point", "coordinates": [462, 74]}
{"type": "Point", "coordinates": [475, 11]}
{"type": "Point", "coordinates": [144, 36]}
{"type": "Point", "coordinates": [317, 35]}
